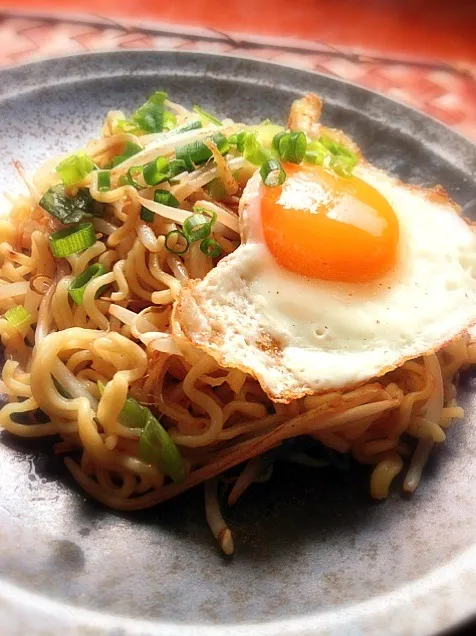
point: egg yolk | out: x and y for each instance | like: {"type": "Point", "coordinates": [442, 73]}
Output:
{"type": "Point", "coordinates": [320, 225]}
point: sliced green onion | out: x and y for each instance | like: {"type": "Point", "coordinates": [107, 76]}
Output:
{"type": "Point", "coordinates": [210, 247]}
{"type": "Point", "coordinates": [197, 152]}
{"type": "Point", "coordinates": [156, 447]}
{"type": "Point", "coordinates": [216, 189]}
{"type": "Point", "coordinates": [74, 169]}
{"type": "Point", "coordinates": [176, 249]}
{"type": "Point", "coordinates": [166, 198]}
{"type": "Point", "coordinates": [272, 173]}
{"type": "Point", "coordinates": [277, 138]}
{"type": "Point", "coordinates": [160, 196]}
{"type": "Point", "coordinates": [325, 151]}
{"type": "Point", "coordinates": [18, 317]}
{"type": "Point", "coordinates": [198, 226]}
{"type": "Point", "coordinates": [78, 286]}
{"type": "Point", "coordinates": [60, 388]}
{"type": "Point", "coordinates": [130, 150]}
{"type": "Point", "coordinates": [331, 145]}
{"type": "Point", "coordinates": [240, 140]}
{"type": "Point", "coordinates": [253, 151]}
{"type": "Point", "coordinates": [316, 153]}
{"type": "Point", "coordinates": [133, 414]}
{"type": "Point", "coordinates": [147, 215]}
{"type": "Point", "coordinates": [156, 171]}
{"type": "Point", "coordinates": [70, 209]}
{"type": "Point", "coordinates": [343, 165]}
{"type": "Point", "coordinates": [104, 180]}
{"type": "Point", "coordinates": [190, 125]}
{"type": "Point", "coordinates": [72, 240]}
{"type": "Point", "coordinates": [177, 166]}
{"type": "Point", "coordinates": [152, 117]}
{"type": "Point", "coordinates": [204, 115]}
{"type": "Point", "coordinates": [133, 174]}
{"type": "Point", "coordinates": [291, 146]}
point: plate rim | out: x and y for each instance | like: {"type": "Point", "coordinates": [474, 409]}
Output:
{"type": "Point", "coordinates": [455, 581]}
{"type": "Point", "coordinates": [11, 69]}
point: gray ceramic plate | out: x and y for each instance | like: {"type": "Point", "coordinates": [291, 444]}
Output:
{"type": "Point", "coordinates": [314, 554]}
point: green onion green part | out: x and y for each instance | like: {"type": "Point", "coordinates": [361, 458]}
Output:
{"type": "Point", "coordinates": [147, 215]}
{"type": "Point", "coordinates": [75, 168]}
{"type": "Point", "coordinates": [78, 286]}
{"type": "Point", "coordinates": [104, 180]}
{"type": "Point", "coordinates": [327, 152]}
{"type": "Point", "coordinates": [210, 247]}
{"type": "Point", "coordinates": [160, 196]}
{"type": "Point", "coordinates": [18, 317]}
{"type": "Point", "coordinates": [166, 198]}
{"type": "Point", "coordinates": [156, 171]}
{"type": "Point", "coordinates": [72, 240]}
{"type": "Point", "coordinates": [190, 125]}
{"type": "Point", "coordinates": [197, 227]}
{"type": "Point", "coordinates": [272, 173]}
{"type": "Point", "coordinates": [133, 414]}
{"type": "Point", "coordinates": [216, 189]}
{"type": "Point", "coordinates": [156, 447]}
{"type": "Point", "coordinates": [130, 150]}
{"type": "Point", "coordinates": [204, 115]}
{"type": "Point", "coordinates": [133, 174]}
{"type": "Point", "coordinates": [253, 151]}
{"type": "Point", "coordinates": [176, 249]}
{"type": "Point", "coordinates": [197, 152]}
{"type": "Point", "coordinates": [70, 209]}
{"type": "Point", "coordinates": [291, 147]}
{"type": "Point", "coordinates": [152, 116]}
{"type": "Point", "coordinates": [177, 166]}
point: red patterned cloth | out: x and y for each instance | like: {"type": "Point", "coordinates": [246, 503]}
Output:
{"type": "Point", "coordinates": [447, 93]}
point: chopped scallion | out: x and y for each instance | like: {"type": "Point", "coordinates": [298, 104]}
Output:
{"type": "Point", "coordinates": [72, 240]}
{"type": "Point", "coordinates": [130, 150]}
{"type": "Point", "coordinates": [75, 168]}
{"type": "Point", "coordinates": [196, 227]}
{"type": "Point", "coordinates": [156, 447]}
{"type": "Point", "coordinates": [166, 198]}
{"type": "Point", "coordinates": [328, 152]}
{"type": "Point", "coordinates": [190, 125]}
{"type": "Point", "coordinates": [176, 249]}
{"type": "Point", "coordinates": [198, 152]}
{"type": "Point", "coordinates": [160, 196]}
{"type": "Point", "coordinates": [253, 151]}
{"type": "Point", "coordinates": [133, 175]}
{"type": "Point", "coordinates": [272, 173]}
{"type": "Point", "coordinates": [152, 116]}
{"type": "Point", "coordinates": [133, 414]}
{"type": "Point", "coordinates": [78, 286]}
{"type": "Point", "coordinates": [156, 171]}
{"type": "Point", "coordinates": [210, 247]}
{"type": "Point", "coordinates": [18, 317]}
{"type": "Point", "coordinates": [291, 146]}
{"type": "Point", "coordinates": [177, 166]}
{"type": "Point", "coordinates": [70, 209]}
{"type": "Point", "coordinates": [104, 180]}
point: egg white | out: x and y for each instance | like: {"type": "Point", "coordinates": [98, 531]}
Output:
{"type": "Point", "coordinates": [300, 335]}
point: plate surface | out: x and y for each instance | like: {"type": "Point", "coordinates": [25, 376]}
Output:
{"type": "Point", "coordinates": [315, 556]}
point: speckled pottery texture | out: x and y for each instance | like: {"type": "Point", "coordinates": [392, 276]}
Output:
{"type": "Point", "coordinates": [315, 556]}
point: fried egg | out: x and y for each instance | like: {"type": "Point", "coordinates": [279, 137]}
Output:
{"type": "Point", "coordinates": [337, 280]}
